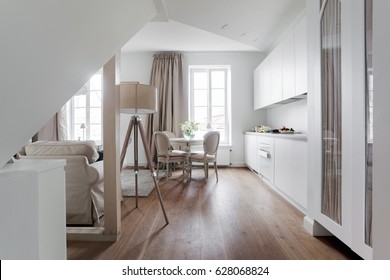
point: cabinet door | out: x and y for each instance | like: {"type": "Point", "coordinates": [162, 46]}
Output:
{"type": "Point", "coordinates": [265, 83]}
{"type": "Point", "coordinates": [251, 152]}
{"type": "Point", "coordinates": [291, 169]}
{"type": "Point", "coordinates": [276, 68]}
{"type": "Point", "coordinates": [256, 88]}
{"type": "Point", "coordinates": [300, 57]}
{"type": "Point", "coordinates": [288, 66]}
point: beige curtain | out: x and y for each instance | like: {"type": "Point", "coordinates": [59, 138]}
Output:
{"type": "Point", "coordinates": [369, 122]}
{"type": "Point", "coordinates": [167, 76]}
{"type": "Point", "coordinates": [331, 110]}
{"type": "Point", "coordinates": [55, 129]}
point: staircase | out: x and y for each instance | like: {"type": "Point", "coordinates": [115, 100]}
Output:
{"type": "Point", "coordinates": [49, 49]}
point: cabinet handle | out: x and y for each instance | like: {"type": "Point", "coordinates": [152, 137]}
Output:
{"type": "Point", "coordinates": [264, 154]}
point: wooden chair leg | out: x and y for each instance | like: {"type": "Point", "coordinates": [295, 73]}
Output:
{"type": "Point", "coordinates": [167, 171]}
{"type": "Point", "coordinates": [216, 169]}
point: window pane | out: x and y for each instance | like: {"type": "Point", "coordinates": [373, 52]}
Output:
{"type": "Point", "coordinates": [200, 80]}
{"type": "Point", "coordinates": [200, 97]}
{"type": "Point", "coordinates": [218, 97]}
{"type": "Point", "coordinates": [95, 99]}
{"type": "Point", "coordinates": [79, 115]}
{"type": "Point", "coordinates": [95, 115]}
{"type": "Point", "coordinates": [95, 132]}
{"type": "Point", "coordinates": [218, 79]}
{"type": "Point", "coordinates": [218, 114]}
{"type": "Point", "coordinates": [78, 132]}
{"type": "Point", "coordinates": [200, 115]}
{"type": "Point", "coordinates": [79, 100]}
{"type": "Point", "coordinates": [222, 134]}
{"type": "Point", "coordinates": [96, 82]}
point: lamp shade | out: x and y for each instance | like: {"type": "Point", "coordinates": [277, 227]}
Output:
{"type": "Point", "coordinates": [137, 98]}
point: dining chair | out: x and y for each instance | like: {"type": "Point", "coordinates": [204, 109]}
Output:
{"type": "Point", "coordinates": [165, 154]}
{"type": "Point", "coordinates": [209, 154]}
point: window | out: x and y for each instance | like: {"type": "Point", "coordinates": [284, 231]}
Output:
{"type": "Point", "coordinates": [86, 108]}
{"type": "Point", "coordinates": [210, 99]}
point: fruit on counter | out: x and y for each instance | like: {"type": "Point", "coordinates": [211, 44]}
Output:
{"type": "Point", "coordinates": [285, 129]}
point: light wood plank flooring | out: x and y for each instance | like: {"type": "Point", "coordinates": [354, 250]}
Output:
{"type": "Point", "coordinates": [239, 217]}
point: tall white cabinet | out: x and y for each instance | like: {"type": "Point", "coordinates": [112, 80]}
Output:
{"type": "Point", "coordinates": [350, 228]}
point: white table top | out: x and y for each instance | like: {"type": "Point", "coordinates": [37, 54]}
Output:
{"type": "Point", "coordinates": [185, 141]}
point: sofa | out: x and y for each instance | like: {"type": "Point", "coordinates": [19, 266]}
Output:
{"type": "Point", "coordinates": [83, 177]}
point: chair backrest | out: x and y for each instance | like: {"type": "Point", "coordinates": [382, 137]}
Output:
{"type": "Point", "coordinates": [170, 134]}
{"type": "Point", "coordinates": [211, 142]}
{"type": "Point", "coordinates": [162, 143]}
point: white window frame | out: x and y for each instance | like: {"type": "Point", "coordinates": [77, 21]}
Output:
{"type": "Point", "coordinates": [71, 127]}
{"type": "Point", "coordinates": [209, 69]}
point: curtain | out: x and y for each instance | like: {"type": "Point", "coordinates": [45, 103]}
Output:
{"type": "Point", "coordinates": [331, 109]}
{"type": "Point", "coordinates": [369, 121]}
{"type": "Point", "coordinates": [167, 77]}
{"type": "Point", "coordinates": [55, 129]}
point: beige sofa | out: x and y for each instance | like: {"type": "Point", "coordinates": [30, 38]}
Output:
{"type": "Point", "coordinates": [83, 175]}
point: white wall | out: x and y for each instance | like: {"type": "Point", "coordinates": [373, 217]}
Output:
{"type": "Point", "coordinates": [292, 115]}
{"type": "Point", "coordinates": [137, 66]}
{"type": "Point", "coordinates": [49, 50]}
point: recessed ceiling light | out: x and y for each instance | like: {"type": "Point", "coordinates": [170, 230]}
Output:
{"type": "Point", "coordinates": [224, 26]}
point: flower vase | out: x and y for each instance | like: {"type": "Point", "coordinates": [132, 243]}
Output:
{"type": "Point", "coordinates": [189, 136]}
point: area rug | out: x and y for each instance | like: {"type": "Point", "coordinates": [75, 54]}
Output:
{"type": "Point", "coordinates": [145, 183]}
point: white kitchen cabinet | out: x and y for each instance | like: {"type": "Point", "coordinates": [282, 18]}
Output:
{"type": "Point", "coordinates": [251, 158]}
{"type": "Point", "coordinates": [300, 49]}
{"type": "Point", "coordinates": [265, 83]}
{"type": "Point", "coordinates": [288, 55]}
{"type": "Point", "coordinates": [256, 88]}
{"type": "Point", "coordinates": [276, 72]}
{"type": "Point", "coordinates": [266, 157]}
{"type": "Point", "coordinates": [283, 73]}
{"type": "Point", "coordinates": [291, 169]}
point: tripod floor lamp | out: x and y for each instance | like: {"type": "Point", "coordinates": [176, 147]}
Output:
{"type": "Point", "coordinates": [136, 98]}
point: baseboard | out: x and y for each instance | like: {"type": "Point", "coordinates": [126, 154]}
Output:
{"type": "Point", "coordinates": [89, 234]}
{"type": "Point", "coordinates": [314, 228]}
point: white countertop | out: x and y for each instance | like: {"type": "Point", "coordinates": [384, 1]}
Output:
{"type": "Point", "coordinates": [296, 136]}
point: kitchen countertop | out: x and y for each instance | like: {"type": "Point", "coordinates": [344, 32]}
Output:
{"type": "Point", "coordinates": [296, 136]}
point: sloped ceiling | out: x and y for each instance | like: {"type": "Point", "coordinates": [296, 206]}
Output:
{"type": "Point", "coordinates": [216, 25]}
{"type": "Point", "coordinates": [49, 49]}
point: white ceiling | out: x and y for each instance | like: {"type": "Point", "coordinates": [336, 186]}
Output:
{"type": "Point", "coordinates": [196, 25]}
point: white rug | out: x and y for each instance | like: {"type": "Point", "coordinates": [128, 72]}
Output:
{"type": "Point", "coordinates": [145, 183]}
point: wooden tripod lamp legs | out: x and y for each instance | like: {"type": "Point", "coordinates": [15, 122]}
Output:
{"type": "Point", "coordinates": [135, 123]}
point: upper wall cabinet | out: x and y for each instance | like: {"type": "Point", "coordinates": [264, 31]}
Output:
{"type": "Point", "coordinates": [276, 68]}
{"type": "Point", "coordinates": [262, 83]}
{"type": "Point", "coordinates": [288, 56]}
{"type": "Point", "coordinates": [283, 73]}
{"type": "Point", "coordinates": [300, 50]}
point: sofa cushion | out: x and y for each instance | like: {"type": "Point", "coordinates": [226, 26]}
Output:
{"type": "Point", "coordinates": [63, 148]}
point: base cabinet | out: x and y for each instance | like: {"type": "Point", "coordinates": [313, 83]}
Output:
{"type": "Point", "coordinates": [281, 161]}
{"type": "Point", "coordinates": [291, 169]}
{"type": "Point", "coordinates": [251, 159]}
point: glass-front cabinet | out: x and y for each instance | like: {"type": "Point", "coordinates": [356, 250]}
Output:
{"type": "Point", "coordinates": [341, 120]}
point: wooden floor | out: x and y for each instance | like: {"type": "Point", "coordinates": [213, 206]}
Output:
{"type": "Point", "coordinates": [239, 217]}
